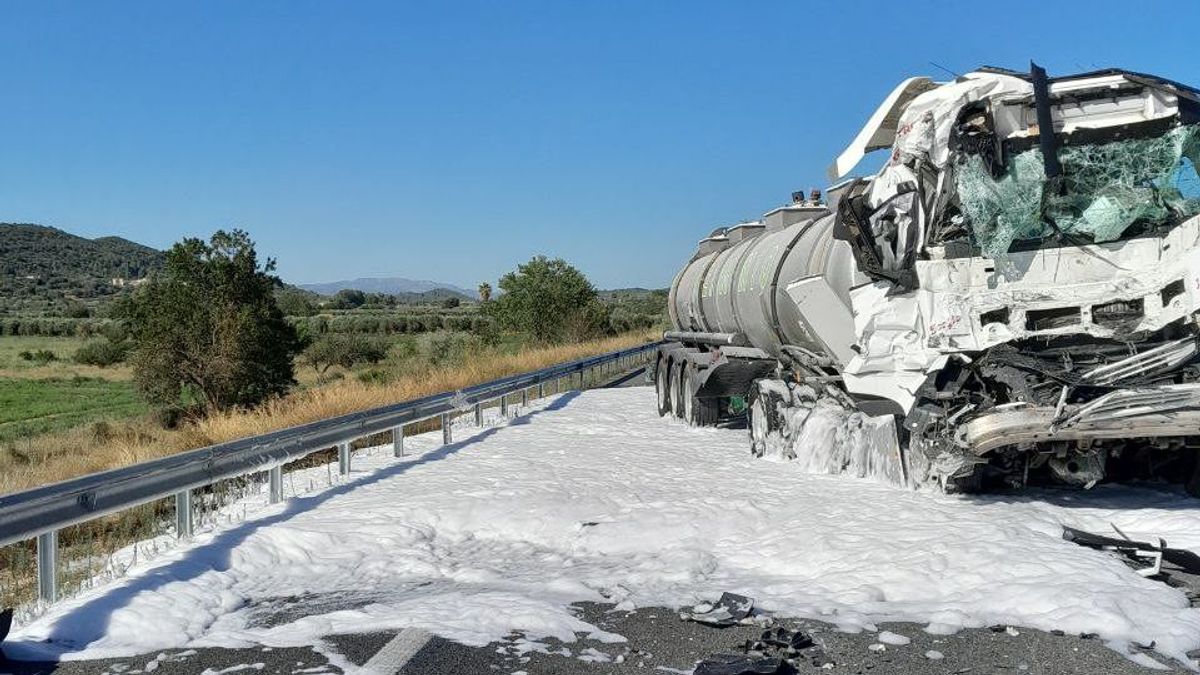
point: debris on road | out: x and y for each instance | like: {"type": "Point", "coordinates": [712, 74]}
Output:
{"type": "Point", "coordinates": [1137, 553]}
{"type": "Point", "coordinates": [729, 609]}
{"type": "Point", "coordinates": [742, 664]}
{"type": "Point", "coordinates": [778, 650]}
{"type": "Point", "coordinates": [6, 618]}
{"type": "Point", "coordinates": [786, 639]}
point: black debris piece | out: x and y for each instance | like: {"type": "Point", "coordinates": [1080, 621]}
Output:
{"type": "Point", "coordinates": [1136, 552]}
{"type": "Point", "coordinates": [5, 625]}
{"type": "Point", "coordinates": [778, 650]}
{"type": "Point", "coordinates": [743, 664]}
{"type": "Point", "coordinates": [729, 609]}
{"type": "Point", "coordinates": [787, 639]}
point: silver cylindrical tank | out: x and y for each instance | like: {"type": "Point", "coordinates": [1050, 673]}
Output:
{"type": "Point", "coordinates": [739, 284]}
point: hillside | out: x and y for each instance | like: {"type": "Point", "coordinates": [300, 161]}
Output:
{"type": "Point", "coordinates": [43, 269]}
{"type": "Point", "coordinates": [389, 285]}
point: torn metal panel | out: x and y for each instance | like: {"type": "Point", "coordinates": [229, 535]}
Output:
{"type": "Point", "coordinates": [1136, 552]}
{"type": "Point", "coordinates": [880, 130]}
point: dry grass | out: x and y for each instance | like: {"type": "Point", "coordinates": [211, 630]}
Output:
{"type": "Point", "coordinates": [55, 457]}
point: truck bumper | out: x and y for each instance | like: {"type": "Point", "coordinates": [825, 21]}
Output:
{"type": "Point", "coordinates": [1150, 412]}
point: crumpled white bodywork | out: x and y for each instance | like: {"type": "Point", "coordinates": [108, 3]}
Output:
{"type": "Point", "coordinates": [970, 304]}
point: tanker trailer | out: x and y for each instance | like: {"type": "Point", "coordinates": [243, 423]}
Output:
{"type": "Point", "coordinates": [1011, 299]}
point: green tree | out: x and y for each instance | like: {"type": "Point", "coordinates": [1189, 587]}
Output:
{"type": "Point", "coordinates": [296, 302]}
{"type": "Point", "coordinates": [549, 300]}
{"type": "Point", "coordinates": [485, 292]}
{"type": "Point", "coordinates": [207, 329]}
{"type": "Point", "coordinates": [348, 298]}
{"type": "Point", "coordinates": [345, 350]}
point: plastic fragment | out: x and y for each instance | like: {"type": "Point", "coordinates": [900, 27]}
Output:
{"type": "Point", "coordinates": [742, 664]}
{"type": "Point", "coordinates": [729, 609]}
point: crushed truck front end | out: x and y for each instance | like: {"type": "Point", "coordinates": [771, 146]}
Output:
{"type": "Point", "coordinates": [1034, 249]}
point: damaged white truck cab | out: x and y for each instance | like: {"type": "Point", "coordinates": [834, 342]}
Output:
{"type": "Point", "coordinates": [1013, 297]}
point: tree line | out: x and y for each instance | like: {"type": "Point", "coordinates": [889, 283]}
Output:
{"type": "Point", "coordinates": [207, 332]}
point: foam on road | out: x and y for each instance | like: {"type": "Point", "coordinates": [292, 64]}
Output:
{"type": "Point", "coordinates": [596, 498]}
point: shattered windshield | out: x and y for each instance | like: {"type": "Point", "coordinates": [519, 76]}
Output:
{"type": "Point", "coordinates": [1105, 189]}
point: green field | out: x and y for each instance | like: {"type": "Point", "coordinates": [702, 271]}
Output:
{"type": "Point", "coordinates": [64, 348]}
{"type": "Point", "coordinates": [29, 407]}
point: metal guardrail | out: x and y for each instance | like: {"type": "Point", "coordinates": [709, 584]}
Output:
{"type": "Point", "coordinates": [42, 512]}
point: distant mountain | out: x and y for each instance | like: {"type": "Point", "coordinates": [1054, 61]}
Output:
{"type": "Point", "coordinates": [391, 285]}
{"type": "Point", "coordinates": [41, 268]}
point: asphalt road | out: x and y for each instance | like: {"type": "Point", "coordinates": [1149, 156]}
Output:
{"type": "Point", "coordinates": [658, 641]}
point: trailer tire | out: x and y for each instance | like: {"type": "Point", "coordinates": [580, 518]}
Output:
{"type": "Point", "coordinates": [676, 388]}
{"type": "Point", "coordinates": [662, 386]}
{"type": "Point", "coordinates": [759, 420]}
{"type": "Point", "coordinates": [698, 412]}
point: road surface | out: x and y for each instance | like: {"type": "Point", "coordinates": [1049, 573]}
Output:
{"type": "Point", "coordinates": [565, 541]}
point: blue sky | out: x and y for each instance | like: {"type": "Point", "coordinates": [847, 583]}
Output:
{"type": "Point", "coordinates": [452, 140]}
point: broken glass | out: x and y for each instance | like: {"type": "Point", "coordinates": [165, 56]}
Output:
{"type": "Point", "coordinates": [1106, 188]}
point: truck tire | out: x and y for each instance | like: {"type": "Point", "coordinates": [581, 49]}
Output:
{"type": "Point", "coordinates": [758, 421]}
{"type": "Point", "coordinates": [662, 386]}
{"type": "Point", "coordinates": [763, 420]}
{"type": "Point", "coordinates": [676, 384]}
{"type": "Point", "coordinates": [698, 412]}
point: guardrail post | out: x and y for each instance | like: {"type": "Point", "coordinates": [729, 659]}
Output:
{"type": "Point", "coordinates": [275, 476]}
{"type": "Point", "coordinates": [479, 414]}
{"type": "Point", "coordinates": [504, 406]}
{"type": "Point", "coordinates": [47, 566]}
{"type": "Point", "coordinates": [447, 433]}
{"type": "Point", "coordinates": [541, 390]}
{"type": "Point", "coordinates": [344, 458]}
{"type": "Point", "coordinates": [183, 514]}
{"type": "Point", "coordinates": [525, 397]}
{"type": "Point", "coordinates": [398, 441]}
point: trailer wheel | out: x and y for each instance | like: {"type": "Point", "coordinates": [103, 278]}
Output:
{"type": "Point", "coordinates": [698, 412]}
{"type": "Point", "coordinates": [676, 384]}
{"type": "Point", "coordinates": [662, 386]}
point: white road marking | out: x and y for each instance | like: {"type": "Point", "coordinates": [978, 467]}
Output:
{"type": "Point", "coordinates": [398, 652]}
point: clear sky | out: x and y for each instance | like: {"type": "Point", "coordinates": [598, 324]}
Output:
{"type": "Point", "coordinates": [451, 140]}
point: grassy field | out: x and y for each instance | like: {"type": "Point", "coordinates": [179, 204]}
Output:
{"type": "Point", "coordinates": [13, 366]}
{"type": "Point", "coordinates": [37, 406]}
{"type": "Point", "coordinates": [39, 397]}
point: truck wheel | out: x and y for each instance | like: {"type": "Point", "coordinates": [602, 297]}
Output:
{"type": "Point", "coordinates": [698, 412]}
{"type": "Point", "coordinates": [676, 382]}
{"type": "Point", "coordinates": [764, 422]}
{"type": "Point", "coordinates": [662, 386]}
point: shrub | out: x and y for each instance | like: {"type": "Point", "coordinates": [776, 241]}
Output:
{"type": "Point", "coordinates": [41, 356]}
{"type": "Point", "coordinates": [346, 351]}
{"type": "Point", "coordinates": [102, 353]}
{"type": "Point", "coordinates": [443, 348]}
